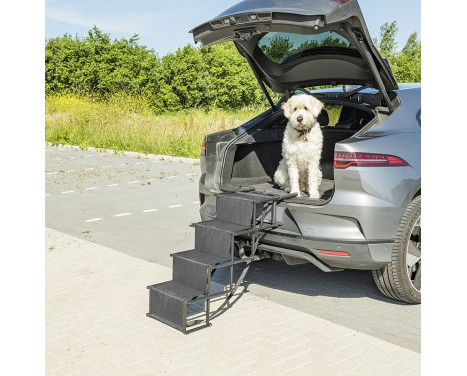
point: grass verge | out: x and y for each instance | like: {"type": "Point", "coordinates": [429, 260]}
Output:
{"type": "Point", "coordinates": [128, 124]}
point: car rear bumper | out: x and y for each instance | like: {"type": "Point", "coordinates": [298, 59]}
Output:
{"type": "Point", "coordinates": [361, 253]}
{"type": "Point", "coordinates": [336, 253]}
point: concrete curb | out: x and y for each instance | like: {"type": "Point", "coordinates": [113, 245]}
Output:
{"type": "Point", "coordinates": [133, 154]}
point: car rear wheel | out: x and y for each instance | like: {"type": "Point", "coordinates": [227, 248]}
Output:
{"type": "Point", "coordinates": [401, 279]}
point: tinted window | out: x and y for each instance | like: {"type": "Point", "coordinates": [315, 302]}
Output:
{"type": "Point", "coordinates": [419, 117]}
{"type": "Point", "coordinates": [284, 47]}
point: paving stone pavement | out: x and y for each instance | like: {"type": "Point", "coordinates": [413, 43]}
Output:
{"type": "Point", "coordinates": [96, 324]}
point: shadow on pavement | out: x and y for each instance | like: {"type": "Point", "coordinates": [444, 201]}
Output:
{"type": "Point", "coordinates": [308, 280]}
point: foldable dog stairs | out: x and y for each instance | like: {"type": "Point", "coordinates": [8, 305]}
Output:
{"type": "Point", "coordinates": [237, 214]}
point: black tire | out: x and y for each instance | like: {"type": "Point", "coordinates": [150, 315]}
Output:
{"type": "Point", "coordinates": [401, 279]}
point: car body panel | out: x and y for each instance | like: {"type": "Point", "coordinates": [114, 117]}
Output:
{"type": "Point", "coordinates": [247, 22]}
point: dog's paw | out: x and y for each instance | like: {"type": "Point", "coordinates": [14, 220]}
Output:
{"type": "Point", "coordinates": [297, 192]}
{"type": "Point", "coordinates": [314, 194]}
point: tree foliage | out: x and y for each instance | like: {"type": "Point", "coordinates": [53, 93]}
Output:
{"type": "Point", "coordinates": [190, 77]}
{"type": "Point", "coordinates": [97, 65]}
{"type": "Point", "coordinates": [405, 64]}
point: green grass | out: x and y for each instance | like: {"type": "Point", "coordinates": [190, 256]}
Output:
{"type": "Point", "coordinates": [127, 123]}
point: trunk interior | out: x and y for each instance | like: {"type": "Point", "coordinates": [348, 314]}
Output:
{"type": "Point", "coordinates": [252, 159]}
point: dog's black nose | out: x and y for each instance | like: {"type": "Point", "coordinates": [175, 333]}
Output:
{"type": "Point", "coordinates": [299, 119]}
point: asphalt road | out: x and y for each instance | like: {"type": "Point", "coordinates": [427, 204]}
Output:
{"type": "Point", "coordinates": [144, 207]}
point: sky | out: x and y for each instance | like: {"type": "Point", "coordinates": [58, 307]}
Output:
{"type": "Point", "coordinates": [164, 25]}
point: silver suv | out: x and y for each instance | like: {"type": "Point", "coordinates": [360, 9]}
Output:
{"type": "Point", "coordinates": [369, 214]}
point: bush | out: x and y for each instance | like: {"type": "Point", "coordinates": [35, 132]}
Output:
{"type": "Point", "coordinates": [205, 77]}
{"type": "Point", "coordinates": [190, 77]}
{"type": "Point", "coordinates": [98, 66]}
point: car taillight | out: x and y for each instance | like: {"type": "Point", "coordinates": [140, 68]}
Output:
{"type": "Point", "coordinates": [347, 159]}
{"type": "Point", "coordinates": [203, 149]}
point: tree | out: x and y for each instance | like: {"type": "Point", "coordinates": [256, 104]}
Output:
{"type": "Point", "coordinates": [278, 48]}
{"type": "Point", "coordinates": [408, 62]}
{"type": "Point", "coordinates": [405, 64]}
{"type": "Point", "coordinates": [387, 39]}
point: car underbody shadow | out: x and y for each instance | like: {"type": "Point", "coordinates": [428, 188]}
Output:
{"type": "Point", "coordinates": [308, 280]}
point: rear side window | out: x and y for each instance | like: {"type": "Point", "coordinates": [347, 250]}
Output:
{"type": "Point", "coordinates": [419, 117]}
{"type": "Point", "coordinates": [283, 48]}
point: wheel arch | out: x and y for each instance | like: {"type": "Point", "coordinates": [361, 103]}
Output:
{"type": "Point", "coordinates": [418, 193]}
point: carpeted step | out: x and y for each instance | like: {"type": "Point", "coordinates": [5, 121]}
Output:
{"type": "Point", "coordinates": [214, 237]}
{"type": "Point", "coordinates": [191, 268]}
{"type": "Point", "coordinates": [238, 208]}
{"type": "Point", "coordinates": [166, 301]}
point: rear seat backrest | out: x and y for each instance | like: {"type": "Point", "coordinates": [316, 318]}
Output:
{"type": "Point", "coordinates": [323, 118]}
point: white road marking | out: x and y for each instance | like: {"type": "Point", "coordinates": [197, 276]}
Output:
{"type": "Point", "coordinates": [170, 177]}
{"type": "Point", "coordinates": [93, 220]}
{"type": "Point", "coordinates": [52, 173]}
{"type": "Point", "coordinates": [122, 214]}
{"type": "Point", "coordinates": [174, 206]}
{"type": "Point", "coordinates": [91, 188]}
{"type": "Point", "coordinates": [68, 192]}
{"type": "Point", "coordinates": [71, 171]}
{"type": "Point", "coordinates": [133, 182]}
{"type": "Point", "coordinates": [111, 185]}
{"type": "Point", "coordinates": [149, 210]}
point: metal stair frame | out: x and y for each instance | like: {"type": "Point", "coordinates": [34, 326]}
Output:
{"type": "Point", "coordinates": [257, 226]}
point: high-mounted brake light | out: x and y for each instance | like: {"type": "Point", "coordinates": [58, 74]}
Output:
{"type": "Point", "coordinates": [347, 159]}
{"type": "Point", "coordinates": [203, 149]}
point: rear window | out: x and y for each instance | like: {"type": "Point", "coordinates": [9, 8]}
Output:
{"type": "Point", "coordinates": [282, 48]}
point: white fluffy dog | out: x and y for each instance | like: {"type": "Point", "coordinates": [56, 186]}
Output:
{"type": "Point", "coordinates": [299, 168]}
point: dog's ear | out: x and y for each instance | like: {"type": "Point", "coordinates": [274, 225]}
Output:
{"type": "Point", "coordinates": [315, 105]}
{"type": "Point", "coordinates": [286, 106]}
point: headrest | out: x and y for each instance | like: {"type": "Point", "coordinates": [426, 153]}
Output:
{"type": "Point", "coordinates": [323, 118]}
